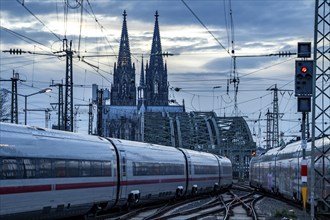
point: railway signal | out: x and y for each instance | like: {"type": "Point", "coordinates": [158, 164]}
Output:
{"type": "Point", "coordinates": [304, 78]}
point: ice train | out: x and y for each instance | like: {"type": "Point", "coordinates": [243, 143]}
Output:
{"type": "Point", "coordinates": [49, 174]}
{"type": "Point", "coordinates": [279, 171]}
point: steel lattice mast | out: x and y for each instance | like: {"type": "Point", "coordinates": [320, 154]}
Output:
{"type": "Point", "coordinates": [321, 105]}
{"type": "Point", "coordinates": [68, 109]}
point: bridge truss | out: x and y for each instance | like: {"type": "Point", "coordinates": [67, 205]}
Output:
{"type": "Point", "coordinates": [202, 131]}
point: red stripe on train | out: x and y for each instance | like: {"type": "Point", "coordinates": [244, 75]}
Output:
{"type": "Point", "coordinates": [24, 189]}
{"type": "Point", "coordinates": [68, 186]}
{"type": "Point", "coordinates": [43, 188]}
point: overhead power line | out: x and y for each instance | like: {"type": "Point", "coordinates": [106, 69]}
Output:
{"type": "Point", "coordinates": [201, 22]}
{"type": "Point", "coordinates": [22, 3]}
{"type": "Point", "coordinates": [22, 36]}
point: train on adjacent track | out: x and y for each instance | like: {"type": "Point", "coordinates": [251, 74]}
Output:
{"type": "Point", "coordinates": [48, 174]}
{"type": "Point", "coordinates": [279, 171]}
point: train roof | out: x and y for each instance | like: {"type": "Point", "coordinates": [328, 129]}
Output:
{"type": "Point", "coordinates": [148, 152]}
{"type": "Point", "coordinates": [28, 141]}
{"type": "Point", "coordinates": [293, 148]}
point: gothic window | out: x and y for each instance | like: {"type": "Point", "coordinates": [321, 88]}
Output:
{"type": "Point", "coordinates": [141, 95]}
{"type": "Point", "coordinates": [156, 88]}
{"type": "Point", "coordinates": [124, 89]}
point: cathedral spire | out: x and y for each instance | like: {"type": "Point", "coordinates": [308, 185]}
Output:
{"type": "Point", "coordinates": [124, 58]}
{"type": "Point", "coordinates": [123, 90]}
{"type": "Point", "coordinates": [141, 88]}
{"type": "Point", "coordinates": [142, 74]}
{"type": "Point", "coordinates": [156, 49]}
{"type": "Point", "coordinates": [156, 74]}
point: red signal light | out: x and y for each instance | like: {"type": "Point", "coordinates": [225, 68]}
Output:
{"type": "Point", "coordinates": [304, 69]}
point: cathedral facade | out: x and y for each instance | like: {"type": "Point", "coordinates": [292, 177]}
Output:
{"type": "Point", "coordinates": [128, 101]}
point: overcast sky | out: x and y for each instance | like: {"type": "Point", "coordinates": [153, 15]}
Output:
{"type": "Point", "coordinates": [197, 32]}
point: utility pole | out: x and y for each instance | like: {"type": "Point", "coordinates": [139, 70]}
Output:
{"type": "Point", "coordinates": [47, 114]}
{"type": "Point", "coordinates": [268, 130]}
{"type": "Point", "coordinates": [68, 108]}
{"type": "Point", "coordinates": [321, 100]}
{"type": "Point", "coordinates": [90, 115]}
{"type": "Point", "coordinates": [275, 132]}
{"type": "Point", "coordinates": [60, 103]}
{"type": "Point", "coordinates": [67, 116]}
{"type": "Point", "coordinates": [100, 106]}
{"type": "Point", "coordinates": [275, 116]}
{"type": "Point", "coordinates": [14, 105]}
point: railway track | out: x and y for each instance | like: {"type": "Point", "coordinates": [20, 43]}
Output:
{"type": "Point", "coordinates": [237, 203]}
{"type": "Point", "coordinates": [223, 205]}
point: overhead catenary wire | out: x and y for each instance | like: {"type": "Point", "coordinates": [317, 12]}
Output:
{"type": "Point", "coordinates": [110, 73]}
{"type": "Point", "coordinates": [22, 3]}
{"type": "Point", "coordinates": [202, 23]}
{"type": "Point", "coordinates": [22, 37]}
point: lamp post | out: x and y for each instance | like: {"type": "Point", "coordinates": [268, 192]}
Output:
{"type": "Point", "coordinates": [214, 87]}
{"type": "Point", "coordinates": [26, 96]}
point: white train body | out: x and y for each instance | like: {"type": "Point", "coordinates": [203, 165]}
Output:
{"type": "Point", "coordinates": [55, 174]}
{"type": "Point", "coordinates": [279, 171]}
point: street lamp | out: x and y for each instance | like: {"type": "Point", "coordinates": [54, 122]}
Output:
{"type": "Point", "coordinates": [25, 97]}
{"type": "Point", "coordinates": [214, 87]}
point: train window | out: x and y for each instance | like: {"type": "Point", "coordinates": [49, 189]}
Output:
{"type": "Point", "coordinates": [10, 169]}
{"type": "Point", "coordinates": [142, 169]}
{"type": "Point", "coordinates": [205, 169]}
{"type": "Point", "coordinates": [173, 169]}
{"type": "Point", "coordinates": [60, 168]}
{"type": "Point", "coordinates": [85, 168]}
{"type": "Point", "coordinates": [96, 168]}
{"type": "Point", "coordinates": [29, 168]}
{"type": "Point", "coordinates": [73, 168]}
{"type": "Point", "coordinates": [45, 168]}
{"type": "Point", "coordinates": [154, 169]}
{"type": "Point", "coordinates": [106, 168]}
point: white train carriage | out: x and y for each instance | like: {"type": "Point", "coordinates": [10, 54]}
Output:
{"type": "Point", "coordinates": [48, 174]}
{"type": "Point", "coordinates": [262, 170]}
{"type": "Point", "coordinates": [279, 171]}
{"type": "Point", "coordinates": [53, 174]}
{"type": "Point", "coordinates": [288, 178]}
{"type": "Point", "coordinates": [204, 171]}
{"type": "Point", "coordinates": [226, 172]}
{"type": "Point", "coordinates": [149, 172]}
{"type": "Point", "coordinates": [288, 173]}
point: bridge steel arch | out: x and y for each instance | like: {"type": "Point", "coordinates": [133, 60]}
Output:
{"type": "Point", "coordinates": [203, 131]}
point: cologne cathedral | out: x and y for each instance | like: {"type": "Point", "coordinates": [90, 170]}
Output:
{"type": "Point", "coordinates": [141, 112]}
{"type": "Point", "coordinates": [128, 102]}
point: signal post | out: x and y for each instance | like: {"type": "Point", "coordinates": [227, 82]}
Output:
{"type": "Point", "coordinates": [304, 92]}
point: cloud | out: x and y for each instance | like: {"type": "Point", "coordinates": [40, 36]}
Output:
{"type": "Point", "coordinates": [199, 62]}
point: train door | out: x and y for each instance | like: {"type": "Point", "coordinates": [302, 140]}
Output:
{"type": "Point", "coordinates": [123, 174]}
{"type": "Point", "coordinates": [291, 179]}
{"type": "Point", "coordinates": [270, 177]}
{"type": "Point", "coordinates": [187, 170]}
{"type": "Point", "coordinates": [259, 171]}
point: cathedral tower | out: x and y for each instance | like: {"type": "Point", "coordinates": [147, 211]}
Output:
{"type": "Point", "coordinates": [123, 90]}
{"type": "Point", "coordinates": [141, 87]}
{"type": "Point", "coordinates": [156, 93]}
